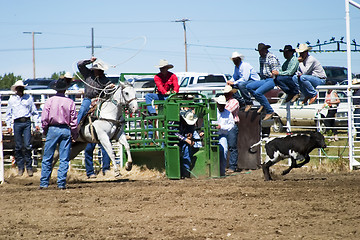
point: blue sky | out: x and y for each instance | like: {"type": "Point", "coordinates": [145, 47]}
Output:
{"type": "Point", "coordinates": [135, 35]}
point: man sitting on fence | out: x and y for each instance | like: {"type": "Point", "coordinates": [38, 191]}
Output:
{"type": "Point", "coordinates": [166, 84]}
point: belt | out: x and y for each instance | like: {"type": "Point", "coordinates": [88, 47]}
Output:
{"type": "Point", "coordinates": [22, 119]}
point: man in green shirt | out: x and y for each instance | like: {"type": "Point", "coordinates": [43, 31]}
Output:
{"type": "Point", "coordinates": [284, 76]}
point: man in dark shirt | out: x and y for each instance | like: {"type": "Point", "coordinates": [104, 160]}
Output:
{"type": "Point", "coordinates": [95, 83]}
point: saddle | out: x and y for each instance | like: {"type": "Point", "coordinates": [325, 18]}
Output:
{"type": "Point", "coordinates": [94, 114]}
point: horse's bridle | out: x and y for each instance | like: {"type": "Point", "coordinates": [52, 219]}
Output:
{"type": "Point", "coordinates": [127, 102]}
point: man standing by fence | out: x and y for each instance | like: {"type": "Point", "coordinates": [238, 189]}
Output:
{"type": "Point", "coordinates": [19, 110]}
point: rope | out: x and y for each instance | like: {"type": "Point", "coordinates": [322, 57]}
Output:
{"type": "Point", "coordinates": [347, 141]}
{"type": "Point", "coordinates": [131, 57]}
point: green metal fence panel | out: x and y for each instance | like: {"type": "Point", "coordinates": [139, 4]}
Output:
{"type": "Point", "coordinates": [152, 138]}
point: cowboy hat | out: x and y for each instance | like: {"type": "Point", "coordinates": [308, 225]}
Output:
{"type": "Point", "coordinates": [59, 85]}
{"type": "Point", "coordinates": [303, 48]}
{"type": "Point", "coordinates": [66, 75]}
{"type": "Point", "coordinates": [355, 81]}
{"type": "Point", "coordinates": [262, 46]}
{"type": "Point", "coordinates": [237, 55]}
{"type": "Point", "coordinates": [287, 48]}
{"type": "Point", "coordinates": [99, 65]}
{"type": "Point", "coordinates": [189, 117]}
{"type": "Point", "coordinates": [228, 89]}
{"type": "Point", "coordinates": [220, 100]}
{"type": "Point", "coordinates": [164, 63]}
{"type": "Point", "coordinates": [18, 83]}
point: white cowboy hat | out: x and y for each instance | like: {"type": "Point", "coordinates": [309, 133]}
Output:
{"type": "Point", "coordinates": [237, 55]}
{"type": "Point", "coordinates": [220, 100]}
{"type": "Point", "coordinates": [303, 48]}
{"type": "Point", "coordinates": [99, 65]}
{"type": "Point", "coordinates": [228, 89]}
{"type": "Point", "coordinates": [189, 117]}
{"type": "Point", "coordinates": [164, 63]}
{"type": "Point", "coordinates": [18, 83]}
{"type": "Point", "coordinates": [355, 81]}
{"type": "Point", "coordinates": [66, 75]}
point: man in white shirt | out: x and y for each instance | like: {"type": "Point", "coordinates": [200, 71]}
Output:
{"type": "Point", "coordinates": [19, 110]}
{"type": "Point", "coordinates": [225, 122]}
{"type": "Point", "coordinates": [310, 74]}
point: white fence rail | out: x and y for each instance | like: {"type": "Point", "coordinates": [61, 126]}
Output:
{"type": "Point", "coordinates": [40, 97]}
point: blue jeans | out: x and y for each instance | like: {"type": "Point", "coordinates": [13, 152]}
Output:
{"type": "Point", "coordinates": [149, 97]}
{"type": "Point", "coordinates": [185, 159]}
{"type": "Point", "coordinates": [22, 137]}
{"type": "Point", "coordinates": [223, 153]}
{"type": "Point", "coordinates": [357, 122]}
{"type": "Point", "coordinates": [62, 135]}
{"type": "Point", "coordinates": [287, 84]}
{"type": "Point", "coordinates": [258, 89]}
{"type": "Point", "coordinates": [89, 151]}
{"type": "Point", "coordinates": [244, 92]}
{"type": "Point", "coordinates": [308, 84]}
{"type": "Point", "coordinates": [232, 145]}
{"type": "Point", "coordinates": [84, 108]}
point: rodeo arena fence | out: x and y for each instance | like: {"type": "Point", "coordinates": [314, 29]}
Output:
{"type": "Point", "coordinates": [153, 141]}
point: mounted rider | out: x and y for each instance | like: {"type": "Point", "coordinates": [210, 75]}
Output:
{"type": "Point", "coordinates": [95, 83]}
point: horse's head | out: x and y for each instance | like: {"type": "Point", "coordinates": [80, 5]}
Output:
{"type": "Point", "coordinates": [128, 94]}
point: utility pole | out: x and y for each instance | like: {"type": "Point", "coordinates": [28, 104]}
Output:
{"type": "Point", "coordinates": [33, 48]}
{"type": "Point", "coordinates": [92, 43]}
{"type": "Point", "coordinates": [184, 20]}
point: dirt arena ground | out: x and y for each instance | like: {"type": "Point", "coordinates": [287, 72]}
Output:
{"type": "Point", "coordinates": [146, 205]}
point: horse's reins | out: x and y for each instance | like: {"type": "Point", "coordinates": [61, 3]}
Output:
{"type": "Point", "coordinates": [116, 122]}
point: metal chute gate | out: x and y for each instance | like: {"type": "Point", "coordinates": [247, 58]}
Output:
{"type": "Point", "coordinates": [153, 141]}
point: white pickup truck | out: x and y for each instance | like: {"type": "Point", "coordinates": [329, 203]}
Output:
{"type": "Point", "coordinates": [193, 79]}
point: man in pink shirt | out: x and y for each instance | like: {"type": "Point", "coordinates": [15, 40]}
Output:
{"type": "Point", "coordinates": [59, 121]}
{"type": "Point", "coordinates": [166, 83]}
{"type": "Point", "coordinates": [232, 105]}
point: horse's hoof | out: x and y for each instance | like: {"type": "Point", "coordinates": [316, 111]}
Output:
{"type": "Point", "coordinates": [128, 166]}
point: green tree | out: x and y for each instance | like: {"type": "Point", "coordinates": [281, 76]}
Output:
{"type": "Point", "coordinates": [57, 75]}
{"type": "Point", "coordinates": [8, 80]}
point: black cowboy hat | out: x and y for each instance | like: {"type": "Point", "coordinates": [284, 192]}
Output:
{"type": "Point", "coordinates": [261, 46]}
{"type": "Point", "coordinates": [59, 85]}
{"type": "Point", "coordinates": [287, 48]}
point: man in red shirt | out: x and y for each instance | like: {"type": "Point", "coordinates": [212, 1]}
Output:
{"type": "Point", "coordinates": [166, 83]}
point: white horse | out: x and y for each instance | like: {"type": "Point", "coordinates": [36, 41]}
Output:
{"type": "Point", "coordinates": [109, 125]}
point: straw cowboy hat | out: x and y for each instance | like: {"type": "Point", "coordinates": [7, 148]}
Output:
{"type": "Point", "coordinates": [237, 55]}
{"type": "Point", "coordinates": [99, 65]}
{"type": "Point", "coordinates": [67, 75]}
{"type": "Point", "coordinates": [164, 63]}
{"type": "Point", "coordinates": [18, 83]}
{"type": "Point", "coordinates": [261, 46]}
{"type": "Point", "coordinates": [287, 48]}
{"type": "Point", "coordinates": [189, 117]}
{"type": "Point", "coordinates": [228, 89]}
{"type": "Point", "coordinates": [59, 85]}
{"type": "Point", "coordinates": [303, 48]}
{"type": "Point", "coordinates": [355, 81]}
{"type": "Point", "coordinates": [220, 100]}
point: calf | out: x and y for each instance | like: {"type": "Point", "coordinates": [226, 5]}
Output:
{"type": "Point", "coordinates": [297, 147]}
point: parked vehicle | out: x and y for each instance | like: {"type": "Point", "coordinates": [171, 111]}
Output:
{"type": "Point", "coordinates": [188, 79]}
{"type": "Point", "coordinates": [307, 115]}
{"type": "Point", "coordinates": [38, 83]}
{"type": "Point", "coordinates": [335, 75]}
